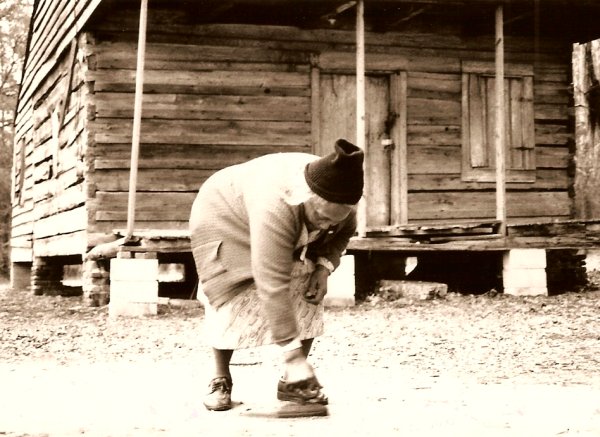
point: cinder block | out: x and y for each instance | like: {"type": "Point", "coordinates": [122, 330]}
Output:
{"type": "Point", "coordinates": [340, 284]}
{"type": "Point", "coordinates": [535, 278]}
{"type": "Point", "coordinates": [525, 258]}
{"type": "Point", "coordinates": [134, 291]}
{"type": "Point", "coordinates": [134, 269]}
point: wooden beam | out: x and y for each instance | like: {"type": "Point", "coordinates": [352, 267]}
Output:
{"type": "Point", "coordinates": [360, 108]}
{"type": "Point", "coordinates": [137, 117]}
{"type": "Point", "coordinates": [499, 133]}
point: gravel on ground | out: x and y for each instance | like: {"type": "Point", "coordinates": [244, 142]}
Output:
{"type": "Point", "coordinates": [478, 341]}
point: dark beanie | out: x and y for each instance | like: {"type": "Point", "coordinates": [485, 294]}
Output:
{"type": "Point", "coordinates": [338, 177]}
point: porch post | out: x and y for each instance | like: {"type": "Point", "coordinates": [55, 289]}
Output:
{"type": "Point", "coordinates": [137, 118]}
{"type": "Point", "coordinates": [499, 129]}
{"type": "Point", "coordinates": [360, 110]}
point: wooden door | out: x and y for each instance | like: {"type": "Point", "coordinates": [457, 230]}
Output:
{"type": "Point", "coordinates": [338, 120]}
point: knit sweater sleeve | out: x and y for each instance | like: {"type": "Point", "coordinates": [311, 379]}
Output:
{"type": "Point", "coordinates": [272, 237]}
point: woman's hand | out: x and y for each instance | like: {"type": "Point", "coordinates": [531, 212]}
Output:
{"type": "Point", "coordinates": [317, 286]}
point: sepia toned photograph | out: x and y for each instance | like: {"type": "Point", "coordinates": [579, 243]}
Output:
{"type": "Point", "coordinates": [299, 218]}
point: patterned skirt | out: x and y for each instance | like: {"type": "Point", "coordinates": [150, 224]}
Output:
{"type": "Point", "coordinates": [240, 323]}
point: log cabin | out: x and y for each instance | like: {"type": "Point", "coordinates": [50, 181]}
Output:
{"type": "Point", "coordinates": [466, 109]}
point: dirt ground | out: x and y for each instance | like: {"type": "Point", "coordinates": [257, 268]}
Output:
{"type": "Point", "coordinates": [465, 365]}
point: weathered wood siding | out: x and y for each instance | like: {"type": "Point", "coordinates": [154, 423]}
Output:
{"type": "Point", "coordinates": [216, 95]}
{"type": "Point", "coordinates": [206, 106]}
{"type": "Point", "coordinates": [54, 188]}
{"type": "Point", "coordinates": [436, 189]}
{"type": "Point", "coordinates": [220, 94]}
{"type": "Point", "coordinates": [47, 207]}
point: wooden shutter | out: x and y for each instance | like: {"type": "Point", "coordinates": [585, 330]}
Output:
{"type": "Point", "coordinates": [479, 117]}
{"type": "Point", "coordinates": [477, 122]}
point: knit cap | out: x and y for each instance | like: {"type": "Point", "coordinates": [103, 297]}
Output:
{"type": "Point", "coordinates": [338, 177]}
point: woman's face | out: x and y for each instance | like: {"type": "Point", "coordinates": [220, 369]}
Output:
{"type": "Point", "coordinates": [321, 214]}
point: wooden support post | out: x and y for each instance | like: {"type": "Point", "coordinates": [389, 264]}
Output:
{"type": "Point", "coordinates": [583, 137]}
{"type": "Point", "coordinates": [137, 118]}
{"type": "Point", "coordinates": [586, 72]}
{"type": "Point", "coordinates": [360, 110]}
{"type": "Point", "coordinates": [499, 129]}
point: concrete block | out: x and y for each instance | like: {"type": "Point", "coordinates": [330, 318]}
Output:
{"type": "Point", "coordinates": [340, 285]}
{"type": "Point", "coordinates": [134, 291]}
{"type": "Point", "coordinates": [524, 278]}
{"type": "Point", "coordinates": [133, 287]}
{"type": "Point", "coordinates": [592, 260]}
{"type": "Point", "coordinates": [526, 291]}
{"type": "Point", "coordinates": [420, 290]}
{"type": "Point", "coordinates": [524, 272]}
{"type": "Point", "coordinates": [525, 258]}
{"type": "Point", "coordinates": [133, 269]}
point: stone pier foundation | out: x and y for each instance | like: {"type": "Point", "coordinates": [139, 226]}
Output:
{"type": "Point", "coordinates": [46, 276]}
{"type": "Point", "coordinates": [96, 282]}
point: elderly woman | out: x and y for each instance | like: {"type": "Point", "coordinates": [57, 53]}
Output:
{"type": "Point", "coordinates": [266, 234]}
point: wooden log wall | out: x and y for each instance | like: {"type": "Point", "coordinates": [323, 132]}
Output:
{"type": "Point", "coordinates": [220, 94]}
{"type": "Point", "coordinates": [52, 208]}
{"type": "Point", "coordinates": [54, 26]}
{"type": "Point", "coordinates": [206, 106]}
{"type": "Point", "coordinates": [216, 95]}
{"type": "Point", "coordinates": [436, 190]}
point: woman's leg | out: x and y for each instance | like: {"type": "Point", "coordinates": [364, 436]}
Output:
{"type": "Point", "coordinates": [222, 358]}
{"type": "Point", "coordinates": [219, 388]}
{"type": "Point", "coordinates": [306, 345]}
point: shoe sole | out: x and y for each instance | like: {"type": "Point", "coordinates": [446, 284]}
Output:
{"type": "Point", "coordinates": [228, 407]}
{"type": "Point", "coordinates": [292, 409]}
{"type": "Point", "coordinates": [283, 396]}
